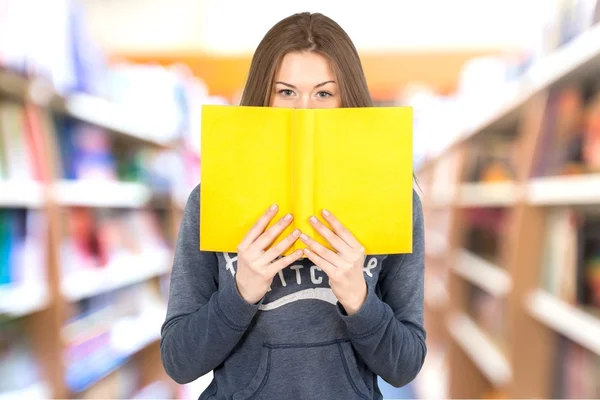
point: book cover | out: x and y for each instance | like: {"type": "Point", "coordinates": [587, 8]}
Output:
{"type": "Point", "coordinates": [354, 162]}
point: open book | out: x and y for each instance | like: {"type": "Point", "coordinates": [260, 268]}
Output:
{"type": "Point", "coordinates": [354, 162]}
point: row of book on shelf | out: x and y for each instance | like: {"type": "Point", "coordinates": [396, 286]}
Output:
{"type": "Point", "coordinates": [100, 336]}
{"type": "Point", "coordinates": [570, 272]}
{"type": "Point", "coordinates": [568, 145]}
{"type": "Point", "coordinates": [569, 142]}
{"type": "Point", "coordinates": [85, 151]}
{"type": "Point", "coordinates": [92, 240]}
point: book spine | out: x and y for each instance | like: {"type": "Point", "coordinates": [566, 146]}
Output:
{"type": "Point", "coordinates": [303, 171]}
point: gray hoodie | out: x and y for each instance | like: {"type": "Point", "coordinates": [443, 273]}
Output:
{"type": "Point", "coordinates": [297, 342]}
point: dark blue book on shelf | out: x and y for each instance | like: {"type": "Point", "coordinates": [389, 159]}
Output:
{"type": "Point", "coordinates": [5, 247]}
{"type": "Point", "coordinates": [64, 129]}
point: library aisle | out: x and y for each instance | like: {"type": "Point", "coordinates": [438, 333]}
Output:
{"type": "Point", "coordinates": [513, 228]}
{"type": "Point", "coordinates": [100, 146]}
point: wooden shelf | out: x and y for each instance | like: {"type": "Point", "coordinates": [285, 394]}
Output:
{"type": "Point", "coordinates": [480, 349]}
{"type": "Point", "coordinates": [101, 194]}
{"type": "Point", "coordinates": [28, 194]}
{"type": "Point", "coordinates": [127, 271]}
{"type": "Point", "coordinates": [570, 321]}
{"type": "Point", "coordinates": [488, 194]}
{"type": "Point", "coordinates": [566, 190]}
{"type": "Point", "coordinates": [24, 299]}
{"type": "Point", "coordinates": [489, 277]}
{"type": "Point", "coordinates": [35, 391]}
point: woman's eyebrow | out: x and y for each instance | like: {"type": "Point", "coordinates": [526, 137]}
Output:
{"type": "Point", "coordinates": [294, 87]}
{"type": "Point", "coordinates": [323, 84]}
{"type": "Point", "coordinates": [286, 84]}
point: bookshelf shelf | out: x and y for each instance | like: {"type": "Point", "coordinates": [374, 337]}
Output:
{"type": "Point", "coordinates": [489, 277]}
{"type": "Point", "coordinates": [570, 321]}
{"type": "Point", "coordinates": [35, 391]}
{"type": "Point", "coordinates": [436, 295]}
{"type": "Point", "coordinates": [441, 202]}
{"type": "Point", "coordinates": [574, 61]}
{"type": "Point", "coordinates": [128, 337]}
{"type": "Point", "coordinates": [432, 383]}
{"type": "Point", "coordinates": [24, 299]}
{"type": "Point", "coordinates": [488, 194]}
{"type": "Point", "coordinates": [127, 271]}
{"type": "Point", "coordinates": [106, 114]}
{"type": "Point", "coordinates": [436, 244]}
{"type": "Point", "coordinates": [101, 194]}
{"type": "Point", "coordinates": [84, 107]}
{"type": "Point", "coordinates": [567, 190]}
{"type": "Point", "coordinates": [13, 193]}
{"type": "Point", "coordinates": [480, 349]}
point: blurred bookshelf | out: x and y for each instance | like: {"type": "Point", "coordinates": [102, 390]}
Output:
{"type": "Point", "coordinates": [96, 161]}
{"type": "Point", "coordinates": [513, 228]}
{"type": "Point", "coordinates": [85, 253]}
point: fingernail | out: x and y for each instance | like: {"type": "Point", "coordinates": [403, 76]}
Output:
{"type": "Point", "coordinates": [313, 220]}
{"type": "Point", "coordinates": [326, 213]}
{"type": "Point", "coordinates": [307, 251]}
{"type": "Point", "coordinates": [303, 236]}
{"type": "Point", "coordinates": [273, 207]}
{"type": "Point", "coordinates": [296, 233]}
{"type": "Point", "coordinates": [288, 217]}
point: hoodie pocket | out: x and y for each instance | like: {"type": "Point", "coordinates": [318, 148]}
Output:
{"type": "Point", "coordinates": [306, 371]}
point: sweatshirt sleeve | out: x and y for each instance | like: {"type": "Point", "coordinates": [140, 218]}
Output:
{"type": "Point", "coordinates": [388, 333]}
{"type": "Point", "coordinates": [203, 323]}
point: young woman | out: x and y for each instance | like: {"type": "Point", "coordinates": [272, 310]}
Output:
{"type": "Point", "coordinates": [323, 326]}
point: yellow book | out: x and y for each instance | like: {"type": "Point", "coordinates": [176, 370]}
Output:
{"type": "Point", "coordinates": [354, 162]}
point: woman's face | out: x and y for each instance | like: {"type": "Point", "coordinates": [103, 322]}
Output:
{"type": "Point", "coordinates": [305, 80]}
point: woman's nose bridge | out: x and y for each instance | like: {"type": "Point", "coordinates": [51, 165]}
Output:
{"type": "Point", "coordinates": [304, 101]}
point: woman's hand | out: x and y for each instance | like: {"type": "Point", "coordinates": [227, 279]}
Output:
{"type": "Point", "coordinates": [344, 267]}
{"type": "Point", "coordinates": [256, 265]}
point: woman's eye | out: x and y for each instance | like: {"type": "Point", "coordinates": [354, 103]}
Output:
{"type": "Point", "coordinates": [286, 92]}
{"type": "Point", "coordinates": [324, 95]}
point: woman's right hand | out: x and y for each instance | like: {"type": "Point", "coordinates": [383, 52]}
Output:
{"type": "Point", "coordinates": [257, 262]}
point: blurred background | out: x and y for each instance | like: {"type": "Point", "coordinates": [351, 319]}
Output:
{"type": "Point", "coordinates": [100, 106]}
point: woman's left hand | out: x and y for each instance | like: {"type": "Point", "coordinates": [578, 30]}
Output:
{"type": "Point", "coordinates": [344, 267]}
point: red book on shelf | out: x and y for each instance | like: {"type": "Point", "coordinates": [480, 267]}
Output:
{"type": "Point", "coordinates": [35, 143]}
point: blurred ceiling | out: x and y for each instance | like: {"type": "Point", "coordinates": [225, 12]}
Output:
{"type": "Point", "coordinates": [234, 27]}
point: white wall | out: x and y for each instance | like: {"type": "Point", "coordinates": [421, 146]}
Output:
{"type": "Point", "coordinates": [236, 26]}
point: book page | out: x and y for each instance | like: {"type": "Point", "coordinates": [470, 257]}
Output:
{"type": "Point", "coordinates": [246, 167]}
{"type": "Point", "coordinates": [363, 174]}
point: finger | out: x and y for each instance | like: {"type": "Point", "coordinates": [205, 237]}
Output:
{"type": "Point", "coordinates": [280, 247]}
{"type": "Point", "coordinates": [325, 265]}
{"type": "Point", "coordinates": [283, 262]}
{"type": "Point", "coordinates": [258, 228]}
{"type": "Point", "coordinates": [342, 231]}
{"type": "Point", "coordinates": [334, 240]}
{"type": "Point", "coordinates": [268, 237]}
{"type": "Point", "coordinates": [321, 250]}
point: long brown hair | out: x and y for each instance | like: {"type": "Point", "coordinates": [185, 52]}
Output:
{"type": "Point", "coordinates": [307, 32]}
